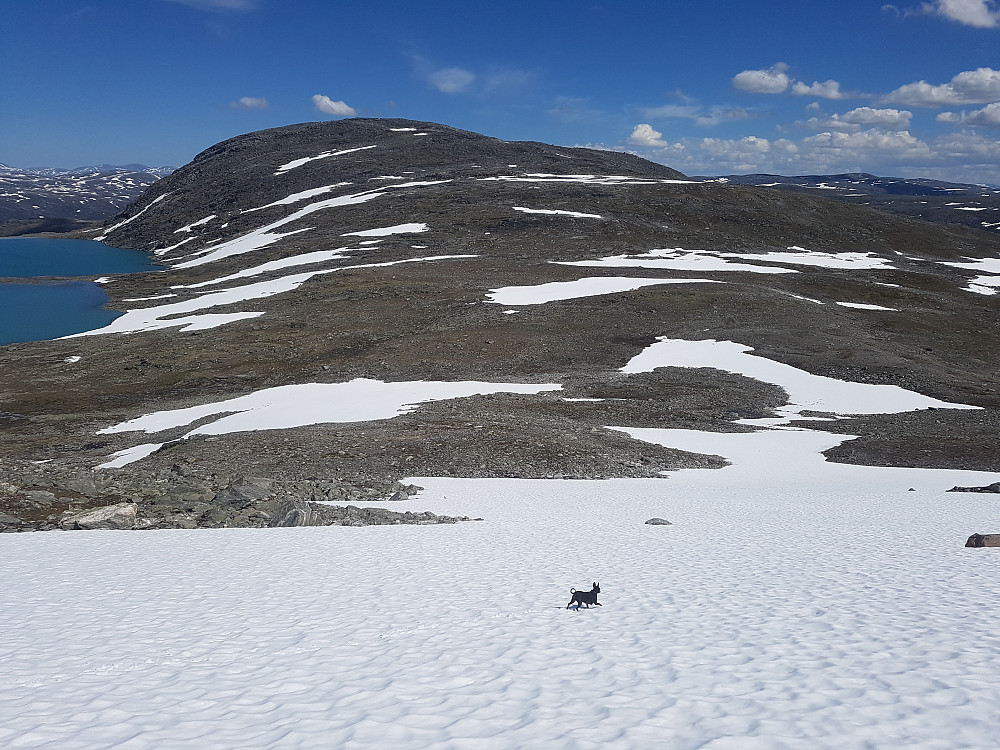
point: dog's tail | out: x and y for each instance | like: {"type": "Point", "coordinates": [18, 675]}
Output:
{"type": "Point", "coordinates": [572, 591]}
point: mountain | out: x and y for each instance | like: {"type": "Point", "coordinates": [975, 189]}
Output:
{"type": "Point", "coordinates": [346, 304]}
{"type": "Point", "coordinates": [976, 206]}
{"type": "Point", "coordinates": [81, 194]}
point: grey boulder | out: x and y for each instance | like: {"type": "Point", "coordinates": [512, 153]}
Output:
{"type": "Point", "coordinates": [120, 516]}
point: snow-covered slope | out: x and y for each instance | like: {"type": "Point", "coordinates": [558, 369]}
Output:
{"type": "Point", "coordinates": [811, 605]}
{"type": "Point", "coordinates": [86, 193]}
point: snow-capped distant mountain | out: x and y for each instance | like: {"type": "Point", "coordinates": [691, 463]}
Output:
{"type": "Point", "coordinates": [86, 193]}
{"type": "Point", "coordinates": [932, 200]}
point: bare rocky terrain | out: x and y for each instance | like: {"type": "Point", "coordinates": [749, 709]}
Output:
{"type": "Point", "coordinates": [432, 320]}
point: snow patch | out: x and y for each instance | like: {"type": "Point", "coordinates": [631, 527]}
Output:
{"type": "Point", "coordinates": [593, 286]}
{"type": "Point", "coordinates": [412, 228]}
{"type": "Point", "coordinates": [556, 212]}
{"type": "Point", "coordinates": [295, 163]}
{"type": "Point", "coordinates": [805, 391]}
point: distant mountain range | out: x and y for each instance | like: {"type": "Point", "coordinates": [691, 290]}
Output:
{"type": "Point", "coordinates": [975, 206]}
{"type": "Point", "coordinates": [89, 193]}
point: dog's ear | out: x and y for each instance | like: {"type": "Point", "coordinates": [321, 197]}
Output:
{"type": "Point", "coordinates": [596, 585]}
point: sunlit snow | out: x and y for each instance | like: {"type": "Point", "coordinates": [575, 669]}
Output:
{"type": "Point", "coordinates": [283, 407]}
{"type": "Point", "coordinates": [129, 220]}
{"type": "Point", "coordinates": [302, 259]}
{"type": "Point", "coordinates": [265, 236]}
{"type": "Point", "coordinates": [865, 306]}
{"type": "Point", "coordinates": [676, 260]}
{"type": "Point", "coordinates": [557, 212]}
{"type": "Point", "coordinates": [812, 606]}
{"type": "Point", "coordinates": [805, 391]}
{"type": "Point", "coordinates": [296, 197]}
{"type": "Point", "coordinates": [161, 316]}
{"type": "Point", "coordinates": [284, 168]}
{"type": "Point", "coordinates": [411, 228]}
{"type": "Point", "coordinates": [680, 259]}
{"type": "Point", "coordinates": [198, 223]}
{"type": "Point", "coordinates": [592, 286]}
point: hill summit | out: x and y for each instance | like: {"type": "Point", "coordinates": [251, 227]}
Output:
{"type": "Point", "coordinates": [347, 304]}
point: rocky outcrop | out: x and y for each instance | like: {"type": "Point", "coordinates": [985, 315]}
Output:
{"type": "Point", "coordinates": [995, 487]}
{"type": "Point", "coordinates": [983, 540]}
{"type": "Point", "coordinates": [183, 497]}
{"type": "Point", "coordinates": [658, 522]}
{"type": "Point", "coordinates": [119, 516]}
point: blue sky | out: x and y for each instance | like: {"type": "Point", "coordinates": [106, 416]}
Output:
{"type": "Point", "coordinates": [908, 89]}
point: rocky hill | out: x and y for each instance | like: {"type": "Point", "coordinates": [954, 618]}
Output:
{"type": "Point", "coordinates": [318, 278]}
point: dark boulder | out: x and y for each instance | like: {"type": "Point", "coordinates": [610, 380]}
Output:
{"type": "Point", "coordinates": [983, 540]}
{"type": "Point", "coordinates": [995, 487]}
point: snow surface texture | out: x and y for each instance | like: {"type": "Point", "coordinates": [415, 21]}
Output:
{"type": "Point", "coordinates": [799, 609]}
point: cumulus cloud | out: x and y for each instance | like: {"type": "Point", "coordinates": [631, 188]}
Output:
{"type": "Point", "coordinates": [328, 106]}
{"type": "Point", "coordinates": [451, 80]}
{"type": "Point", "coordinates": [982, 14]}
{"type": "Point", "coordinates": [987, 117]}
{"type": "Point", "coordinates": [774, 80]}
{"type": "Point", "coordinates": [979, 86]}
{"type": "Point", "coordinates": [646, 137]}
{"type": "Point", "coordinates": [825, 90]}
{"type": "Point", "coordinates": [862, 144]}
{"type": "Point", "coordinates": [856, 119]}
{"type": "Point", "coordinates": [250, 102]}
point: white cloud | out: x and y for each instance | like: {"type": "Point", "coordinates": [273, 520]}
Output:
{"type": "Point", "coordinates": [774, 80]}
{"type": "Point", "coordinates": [959, 157]}
{"type": "Point", "coordinates": [451, 80]}
{"type": "Point", "coordinates": [825, 90]}
{"type": "Point", "coordinates": [982, 14]}
{"type": "Point", "coordinates": [979, 86]}
{"type": "Point", "coordinates": [856, 119]}
{"type": "Point", "coordinates": [869, 144]}
{"type": "Point", "coordinates": [987, 117]}
{"type": "Point", "coordinates": [645, 136]}
{"type": "Point", "coordinates": [250, 102]}
{"type": "Point", "coordinates": [326, 105]}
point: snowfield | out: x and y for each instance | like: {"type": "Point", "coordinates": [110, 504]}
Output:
{"type": "Point", "coordinates": [791, 603]}
{"type": "Point", "coordinates": [819, 609]}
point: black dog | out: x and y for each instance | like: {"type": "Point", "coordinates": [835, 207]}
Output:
{"type": "Point", "coordinates": [585, 597]}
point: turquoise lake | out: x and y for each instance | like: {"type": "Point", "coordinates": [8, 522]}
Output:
{"type": "Point", "coordinates": [44, 308]}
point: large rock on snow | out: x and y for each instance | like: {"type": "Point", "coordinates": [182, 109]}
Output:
{"type": "Point", "coordinates": [120, 516]}
{"type": "Point", "coordinates": [995, 487]}
{"type": "Point", "coordinates": [983, 540]}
